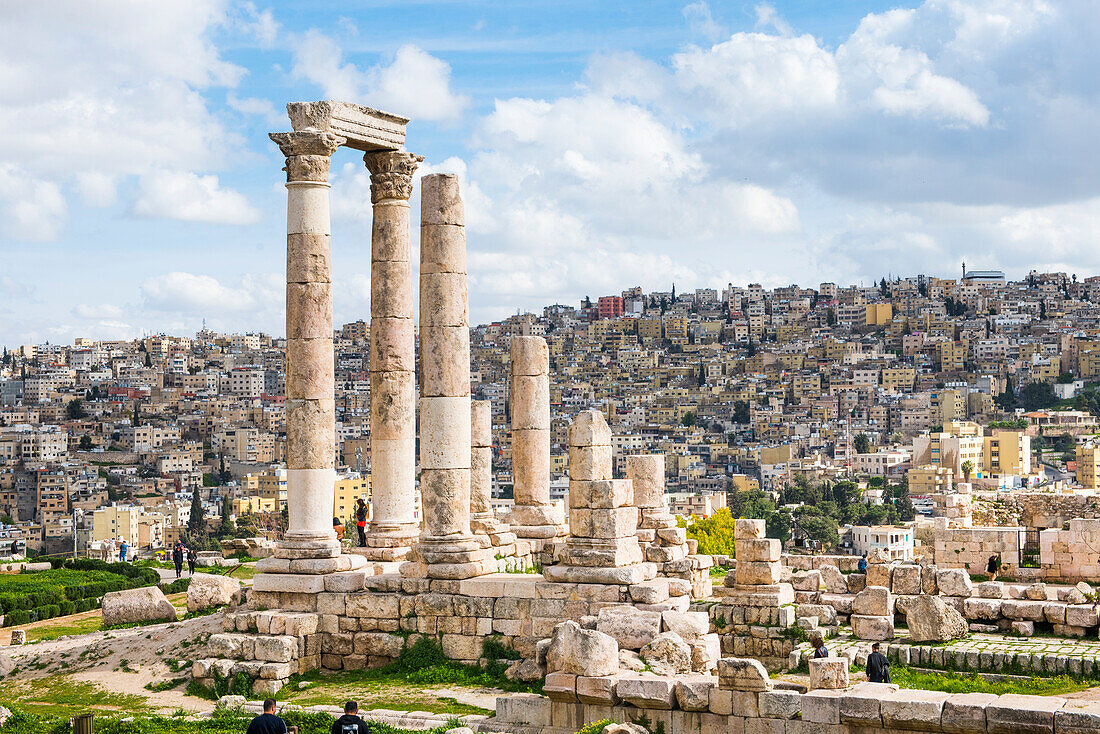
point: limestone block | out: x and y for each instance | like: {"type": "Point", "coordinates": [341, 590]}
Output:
{"type": "Point", "coordinates": [750, 573]}
{"type": "Point", "coordinates": [857, 582]}
{"type": "Point", "coordinates": [392, 345]}
{"type": "Point", "coordinates": [391, 289]}
{"type": "Point", "coordinates": [977, 608]}
{"type": "Point", "coordinates": [445, 356]}
{"type": "Point", "coordinates": [307, 210]}
{"type": "Point", "coordinates": [930, 619]}
{"type": "Point", "coordinates": [748, 529]}
{"type": "Point", "coordinates": [912, 709]}
{"type": "Point", "coordinates": [207, 590]}
{"type": "Point", "coordinates": [311, 433]}
{"type": "Point", "coordinates": [378, 644]}
{"type": "Point", "coordinates": [867, 627]}
{"type": "Point", "coordinates": [445, 433]}
{"type": "Point", "coordinates": [825, 614]}
{"type": "Point", "coordinates": [589, 428]}
{"type": "Point", "coordinates": [592, 575]}
{"type": "Point", "coordinates": [780, 704]}
{"type": "Point", "coordinates": [1022, 629]}
{"type": "Point", "coordinates": [581, 651]}
{"type": "Point", "coordinates": [146, 604]}
{"type": "Point", "coordinates": [309, 370]}
{"type": "Point", "coordinates": [821, 707]}
{"type": "Point", "coordinates": [743, 674]}
{"type": "Point", "coordinates": [991, 590]}
{"type": "Point", "coordinates": [446, 501]}
{"type": "Point", "coordinates": [880, 574]}
{"type": "Point", "coordinates": [954, 582]}
{"type": "Point", "coordinates": [631, 628]}
{"type": "Point", "coordinates": [688, 625]}
{"type": "Point", "coordinates": [1081, 615]}
{"type": "Point", "coordinates": [1023, 610]}
{"type": "Point", "coordinates": [758, 549]}
{"type": "Point", "coordinates": [443, 299]}
{"type": "Point", "coordinates": [440, 201]}
{"type": "Point", "coordinates": [589, 463]}
{"type": "Point", "coordinates": [531, 467]}
{"type": "Point", "coordinates": [443, 249]}
{"type": "Point", "coordinates": [667, 654]}
{"type": "Point", "coordinates": [1037, 591]}
{"type": "Point", "coordinates": [481, 423]}
{"type": "Point", "coordinates": [276, 649]}
{"type": "Point", "coordinates": [705, 652]}
{"type": "Point", "coordinates": [604, 553]}
{"type": "Point", "coordinates": [1016, 714]}
{"type": "Point", "coordinates": [619, 522]}
{"type": "Point", "coordinates": [1077, 717]}
{"type": "Point", "coordinates": [828, 673]}
{"type": "Point", "coordinates": [530, 402]}
{"type": "Point", "coordinates": [647, 472]}
{"type": "Point", "coordinates": [602, 494]}
{"type": "Point", "coordinates": [859, 705]}
{"type": "Point", "coordinates": [647, 692]}
{"type": "Point", "coordinates": [650, 592]}
{"type": "Point", "coordinates": [393, 397]}
{"type": "Point", "coordinates": [1054, 613]}
{"type": "Point", "coordinates": [560, 687]}
{"type": "Point", "coordinates": [806, 581]}
{"type": "Point", "coordinates": [664, 554]}
{"type": "Point", "coordinates": [390, 233]}
{"type": "Point", "coordinates": [873, 601]}
{"type": "Point", "coordinates": [693, 691]}
{"type": "Point", "coordinates": [308, 311]}
{"type": "Point", "coordinates": [308, 258]}
{"type": "Point", "coordinates": [835, 581]}
{"type": "Point", "coordinates": [966, 712]}
{"type": "Point", "coordinates": [928, 580]}
{"type": "Point", "coordinates": [598, 690]}
{"type": "Point", "coordinates": [906, 579]}
{"type": "Point", "coordinates": [530, 357]}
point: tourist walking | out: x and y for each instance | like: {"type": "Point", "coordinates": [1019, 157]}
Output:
{"type": "Point", "coordinates": [993, 566]}
{"type": "Point", "coordinates": [192, 557]}
{"type": "Point", "coordinates": [350, 723]}
{"type": "Point", "coordinates": [361, 521]}
{"type": "Point", "coordinates": [122, 549]}
{"type": "Point", "coordinates": [862, 565]}
{"type": "Point", "coordinates": [177, 558]}
{"type": "Point", "coordinates": [878, 667]}
{"type": "Point", "coordinates": [269, 723]}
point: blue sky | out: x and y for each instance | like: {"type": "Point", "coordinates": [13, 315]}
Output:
{"type": "Point", "coordinates": [600, 145]}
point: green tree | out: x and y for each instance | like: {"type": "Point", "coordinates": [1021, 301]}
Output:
{"type": "Point", "coordinates": [714, 533]}
{"type": "Point", "coordinates": [75, 409]}
{"type": "Point", "coordinates": [967, 469]}
{"type": "Point", "coordinates": [197, 524]}
{"type": "Point", "coordinates": [86, 443]}
{"type": "Point", "coordinates": [778, 525]}
{"type": "Point", "coordinates": [1037, 395]}
{"type": "Point", "coordinates": [688, 419]}
{"type": "Point", "coordinates": [862, 444]}
{"type": "Point", "coordinates": [741, 412]}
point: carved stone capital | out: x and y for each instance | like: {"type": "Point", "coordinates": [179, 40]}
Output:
{"type": "Point", "coordinates": [391, 173]}
{"type": "Point", "coordinates": [308, 153]}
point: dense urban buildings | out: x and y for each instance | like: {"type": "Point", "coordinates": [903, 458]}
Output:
{"type": "Point", "coordinates": [913, 389]}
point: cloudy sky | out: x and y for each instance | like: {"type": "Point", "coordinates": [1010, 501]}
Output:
{"type": "Point", "coordinates": [601, 145]}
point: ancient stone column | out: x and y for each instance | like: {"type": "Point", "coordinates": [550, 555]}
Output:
{"type": "Point", "coordinates": [446, 549]}
{"type": "Point", "coordinates": [647, 472]}
{"type": "Point", "coordinates": [310, 405]}
{"type": "Point", "coordinates": [394, 526]}
{"type": "Point", "coordinates": [533, 516]}
{"type": "Point", "coordinates": [481, 466]}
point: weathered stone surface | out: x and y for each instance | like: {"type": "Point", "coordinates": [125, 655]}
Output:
{"type": "Point", "coordinates": [146, 604]}
{"type": "Point", "coordinates": [667, 654]}
{"type": "Point", "coordinates": [647, 692]}
{"type": "Point", "coordinates": [1015, 714]}
{"type": "Point", "coordinates": [780, 704]}
{"type": "Point", "coordinates": [930, 619]}
{"type": "Point", "coordinates": [581, 652]}
{"type": "Point", "coordinates": [821, 707]}
{"type": "Point", "coordinates": [743, 674]}
{"type": "Point", "coordinates": [965, 712]}
{"type": "Point", "coordinates": [598, 690]}
{"type": "Point", "coordinates": [748, 528]}
{"type": "Point", "coordinates": [991, 590]}
{"type": "Point", "coordinates": [873, 601]}
{"type": "Point", "coordinates": [1078, 717]}
{"type": "Point", "coordinates": [859, 705]}
{"type": "Point", "coordinates": [207, 590]}
{"type": "Point", "coordinates": [688, 625]}
{"type": "Point", "coordinates": [867, 627]}
{"type": "Point", "coordinates": [632, 628]}
{"type": "Point", "coordinates": [757, 573]}
{"type": "Point", "coordinates": [758, 549]}
{"type": "Point", "coordinates": [835, 582]}
{"type": "Point", "coordinates": [828, 673]}
{"type": "Point", "coordinates": [906, 579]}
{"type": "Point", "coordinates": [954, 582]}
{"type": "Point", "coordinates": [693, 691]}
{"type": "Point", "coordinates": [1037, 592]}
{"type": "Point", "coordinates": [978, 608]}
{"type": "Point", "coordinates": [928, 580]}
{"type": "Point", "coordinates": [912, 709]}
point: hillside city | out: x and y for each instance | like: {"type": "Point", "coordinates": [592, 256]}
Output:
{"type": "Point", "coordinates": [848, 417]}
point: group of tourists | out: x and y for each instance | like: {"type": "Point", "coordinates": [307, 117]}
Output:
{"type": "Point", "coordinates": [360, 523]}
{"type": "Point", "coordinates": [113, 549]}
{"type": "Point", "coordinates": [269, 723]}
{"type": "Point", "coordinates": [181, 553]}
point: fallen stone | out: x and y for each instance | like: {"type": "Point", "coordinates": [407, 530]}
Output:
{"type": "Point", "coordinates": [954, 582]}
{"type": "Point", "coordinates": [207, 591]}
{"type": "Point", "coordinates": [647, 692]}
{"type": "Point", "coordinates": [828, 673]}
{"type": "Point", "coordinates": [930, 619]}
{"type": "Point", "coordinates": [873, 601]}
{"type": "Point", "coordinates": [147, 604]}
{"type": "Point", "coordinates": [667, 654]}
{"type": "Point", "coordinates": [582, 652]}
{"type": "Point", "coordinates": [743, 674]}
{"type": "Point", "coordinates": [868, 627]}
{"type": "Point", "coordinates": [631, 628]}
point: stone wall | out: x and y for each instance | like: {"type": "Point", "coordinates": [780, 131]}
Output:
{"type": "Point", "coordinates": [1048, 510]}
{"type": "Point", "coordinates": [970, 548]}
{"type": "Point", "coordinates": [1073, 554]}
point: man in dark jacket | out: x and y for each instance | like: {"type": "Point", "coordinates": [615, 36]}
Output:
{"type": "Point", "coordinates": [361, 521]}
{"type": "Point", "coordinates": [269, 723]}
{"type": "Point", "coordinates": [177, 558]}
{"type": "Point", "coordinates": [878, 667]}
{"type": "Point", "coordinates": [350, 723]}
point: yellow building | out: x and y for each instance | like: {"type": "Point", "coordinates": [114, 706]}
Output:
{"type": "Point", "coordinates": [744, 483]}
{"type": "Point", "coordinates": [948, 406]}
{"type": "Point", "coordinates": [345, 492]}
{"type": "Point", "coordinates": [879, 314]}
{"type": "Point", "coordinates": [1088, 465]}
{"type": "Point", "coordinates": [929, 479]}
{"type": "Point", "coordinates": [951, 356]}
{"type": "Point", "coordinates": [1007, 453]}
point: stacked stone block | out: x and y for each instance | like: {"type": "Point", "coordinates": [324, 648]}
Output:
{"type": "Point", "coordinates": [533, 516]}
{"type": "Point", "coordinates": [756, 611]}
{"type": "Point", "coordinates": [602, 547]}
{"type": "Point", "coordinates": [447, 548]}
{"type": "Point", "coordinates": [483, 523]}
{"type": "Point", "coordinates": [953, 510]}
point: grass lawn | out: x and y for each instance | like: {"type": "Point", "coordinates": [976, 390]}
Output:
{"type": "Point", "coordinates": [78, 624]}
{"type": "Point", "coordinates": [374, 691]}
{"type": "Point", "coordinates": [973, 683]}
{"type": "Point", "coordinates": [60, 695]}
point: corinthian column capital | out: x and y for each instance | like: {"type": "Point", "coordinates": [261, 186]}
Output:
{"type": "Point", "coordinates": [308, 153]}
{"type": "Point", "coordinates": [391, 173]}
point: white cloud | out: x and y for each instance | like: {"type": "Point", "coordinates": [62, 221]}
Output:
{"type": "Point", "coordinates": [201, 295]}
{"type": "Point", "coordinates": [30, 208]}
{"type": "Point", "coordinates": [98, 312]}
{"type": "Point", "coordinates": [415, 84]}
{"type": "Point", "coordinates": [193, 198]}
{"type": "Point", "coordinates": [701, 20]}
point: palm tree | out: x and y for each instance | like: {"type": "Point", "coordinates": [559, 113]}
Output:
{"type": "Point", "coordinates": [967, 467]}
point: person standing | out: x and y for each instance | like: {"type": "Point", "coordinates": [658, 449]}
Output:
{"type": "Point", "coordinates": [993, 566]}
{"type": "Point", "coordinates": [122, 551]}
{"type": "Point", "coordinates": [192, 557]}
{"type": "Point", "coordinates": [862, 565]}
{"type": "Point", "coordinates": [269, 723]}
{"type": "Point", "coordinates": [878, 667]}
{"type": "Point", "coordinates": [177, 558]}
{"type": "Point", "coordinates": [818, 644]}
{"type": "Point", "coordinates": [361, 521]}
{"type": "Point", "coordinates": [350, 723]}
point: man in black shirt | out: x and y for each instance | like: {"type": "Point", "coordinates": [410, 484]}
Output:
{"type": "Point", "coordinates": [350, 723]}
{"type": "Point", "coordinates": [269, 723]}
{"type": "Point", "coordinates": [878, 667]}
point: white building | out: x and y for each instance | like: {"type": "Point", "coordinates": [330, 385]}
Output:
{"type": "Point", "coordinates": [896, 540]}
